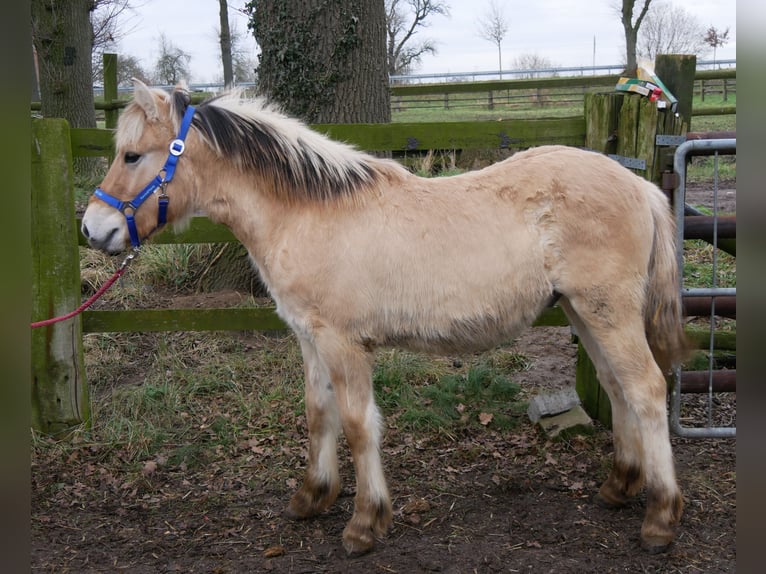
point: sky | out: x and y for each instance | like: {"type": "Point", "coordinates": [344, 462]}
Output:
{"type": "Point", "coordinates": [563, 31]}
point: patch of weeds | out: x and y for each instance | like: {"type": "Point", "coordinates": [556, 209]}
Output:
{"type": "Point", "coordinates": [190, 455]}
{"type": "Point", "coordinates": [175, 266]}
{"type": "Point", "coordinates": [698, 266]}
{"type": "Point", "coordinates": [421, 394]}
{"type": "Point", "coordinates": [483, 395]}
{"type": "Point", "coordinates": [398, 377]}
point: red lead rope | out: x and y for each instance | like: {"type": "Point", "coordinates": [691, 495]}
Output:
{"type": "Point", "coordinates": [92, 299]}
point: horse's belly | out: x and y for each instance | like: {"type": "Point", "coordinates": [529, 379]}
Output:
{"type": "Point", "coordinates": [454, 326]}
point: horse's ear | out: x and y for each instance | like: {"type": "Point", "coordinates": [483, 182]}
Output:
{"type": "Point", "coordinates": [181, 93]}
{"type": "Point", "coordinates": [143, 96]}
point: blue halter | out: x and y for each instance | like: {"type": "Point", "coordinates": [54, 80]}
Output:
{"type": "Point", "coordinates": [161, 180]}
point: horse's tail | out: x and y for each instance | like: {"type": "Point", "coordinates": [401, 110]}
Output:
{"type": "Point", "coordinates": [663, 314]}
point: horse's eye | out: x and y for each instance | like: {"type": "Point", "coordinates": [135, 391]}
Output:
{"type": "Point", "coordinates": [132, 157]}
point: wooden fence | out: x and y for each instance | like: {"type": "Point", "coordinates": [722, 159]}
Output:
{"type": "Point", "coordinates": [59, 392]}
{"type": "Point", "coordinates": [543, 92]}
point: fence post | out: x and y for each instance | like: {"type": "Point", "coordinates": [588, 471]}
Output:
{"type": "Point", "coordinates": [627, 125]}
{"type": "Point", "coordinates": [110, 90]}
{"type": "Point", "coordinates": [59, 389]}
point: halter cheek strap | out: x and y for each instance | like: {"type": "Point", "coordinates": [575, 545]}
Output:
{"type": "Point", "coordinates": [160, 181]}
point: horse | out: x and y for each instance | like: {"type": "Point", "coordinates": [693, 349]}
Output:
{"type": "Point", "coordinates": [358, 253]}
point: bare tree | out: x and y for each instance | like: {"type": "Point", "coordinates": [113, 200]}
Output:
{"type": "Point", "coordinates": [110, 22]}
{"type": "Point", "coordinates": [493, 27]}
{"type": "Point", "coordinates": [225, 37]}
{"type": "Point", "coordinates": [403, 18]}
{"type": "Point", "coordinates": [172, 64]}
{"type": "Point", "coordinates": [129, 67]}
{"type": "Point", "coordinates": [243, 63]}
{"type": "Point", "coordinates": [670, 29]}
{"type": "Point", "coordinates": [715, 38]}
{"type": "Point", "coordinates": [631, 26]}
{"type": "Point", "coordinates": [240, 62]}
{"type": "Point", "coordinates": [532, 62]}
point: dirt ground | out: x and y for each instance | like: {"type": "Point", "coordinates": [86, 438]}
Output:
{"type": "Point", "coordinates": [478, 502]}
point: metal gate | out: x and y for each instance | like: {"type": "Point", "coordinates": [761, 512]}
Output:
{"type": "Point", "coordinates": [697, 396]}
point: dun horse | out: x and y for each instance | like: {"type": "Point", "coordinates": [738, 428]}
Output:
{"type": "Point", "coordinates": [358, 253]}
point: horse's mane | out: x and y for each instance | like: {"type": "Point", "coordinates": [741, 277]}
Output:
{"type": "Point", "coordinates": [296, 162]}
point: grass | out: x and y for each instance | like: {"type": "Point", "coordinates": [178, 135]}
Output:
{"type": "Point", "coordinates": [698, 266]}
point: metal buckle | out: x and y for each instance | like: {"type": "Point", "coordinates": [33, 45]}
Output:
{"type": "Point", "coordinates": [177, 147]}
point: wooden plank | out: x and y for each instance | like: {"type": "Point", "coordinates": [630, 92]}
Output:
{"type": "Point", "coordinates": [501, 85]}
{"type": "Point", "coordinates": [601, 114]}
{"type": "Point", "coordinates": [110, 88]}
{"type": "Point", "coordinates": [93, 142]}
{"type": "Point", "coordinates": [59, 387]}
{"type": "Point", "coordinates": [701, 227]}
{"type": "Point", "coordinates": [594, 399]}
{"type": "Point", "coordinates": [677, 72]}
{"type": "Point", "coordinates": [418, 136]}
{"type": "Point", "coordinates": [154, 320]}
{"type": "Point", "coordinates": [724, 341]}
{"type": "Point", "coordinates": [647, 129]}
{"type": "Point", "coordinates": [424, 136]}
{"type": "Point", "coordinates": [724, 381]}
{"type": "Point", "coordinates": [628, 128]}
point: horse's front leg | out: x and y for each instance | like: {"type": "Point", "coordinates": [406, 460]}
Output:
{"type": "Point", "coordinates": [322, 483]}
{"type": "Point", "coordinates": [350, 370]}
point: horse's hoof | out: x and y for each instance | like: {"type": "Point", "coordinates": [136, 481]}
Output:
{"type": "Point", "coordinates": [609, 502]}
{"type": "Point", "coordinates": [293, 515]}
{"type": "Point", "coordinates": [357, 542]}
{"type": "Point", "coordinates": [655, 544]}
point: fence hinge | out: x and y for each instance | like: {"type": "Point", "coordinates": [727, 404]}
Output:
{"type": "Point", "coordinates": [671, 140]}
{"type": "Point", "coordinates": [629, 162]}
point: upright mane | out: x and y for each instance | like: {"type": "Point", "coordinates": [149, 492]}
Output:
{"type": "Point", "coordinates": [296, 162]}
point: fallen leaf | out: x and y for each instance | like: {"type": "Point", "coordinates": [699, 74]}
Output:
{"type": "Point", "coordinates": [417, 505]}
{"type": "Point", "coordinates": [274, 551]}
{"type": "Point", "coordinates": [149, 467]}
{"type": "Point", "coordinates": [486, 418]}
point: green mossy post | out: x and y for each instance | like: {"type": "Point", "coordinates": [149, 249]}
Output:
{"type": "Point", "coordinates": [627, 124]}
{"type": "Point", "coordinates": [110, 90]}
{"type": "Point", "coordinates": [59, 389]}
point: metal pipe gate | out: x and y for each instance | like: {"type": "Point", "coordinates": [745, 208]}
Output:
{"type": "Point", "coordinates": [713, 381]}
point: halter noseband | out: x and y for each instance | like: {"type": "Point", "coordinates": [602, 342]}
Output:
{"type": "Point", "coordinates": [161, 180]}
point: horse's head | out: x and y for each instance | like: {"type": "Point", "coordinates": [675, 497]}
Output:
{"type": "Point", "coordinates": [134, 198]}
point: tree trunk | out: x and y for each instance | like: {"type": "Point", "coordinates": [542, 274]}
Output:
{"type": "Point", "coordinates": [228, 69]}
{"type": "Point", "coordinates": [631, 32]}
{"type": "Point", "coordinates": [63, 38]}
{"type": "Point", "coordinates": [324, 60]}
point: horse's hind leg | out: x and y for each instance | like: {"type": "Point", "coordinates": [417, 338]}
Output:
{"type": "Point", "coordinates": [614, 329]}
{"type": "Point", "coordinates": [322, 483]}
{"type": "Point", "coordinates": [350, 370]}
{"type": "Point", "coordinates": [626, 476]}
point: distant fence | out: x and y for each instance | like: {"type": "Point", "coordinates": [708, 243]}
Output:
{"type": "Point", "coordinates": [541, 92]}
